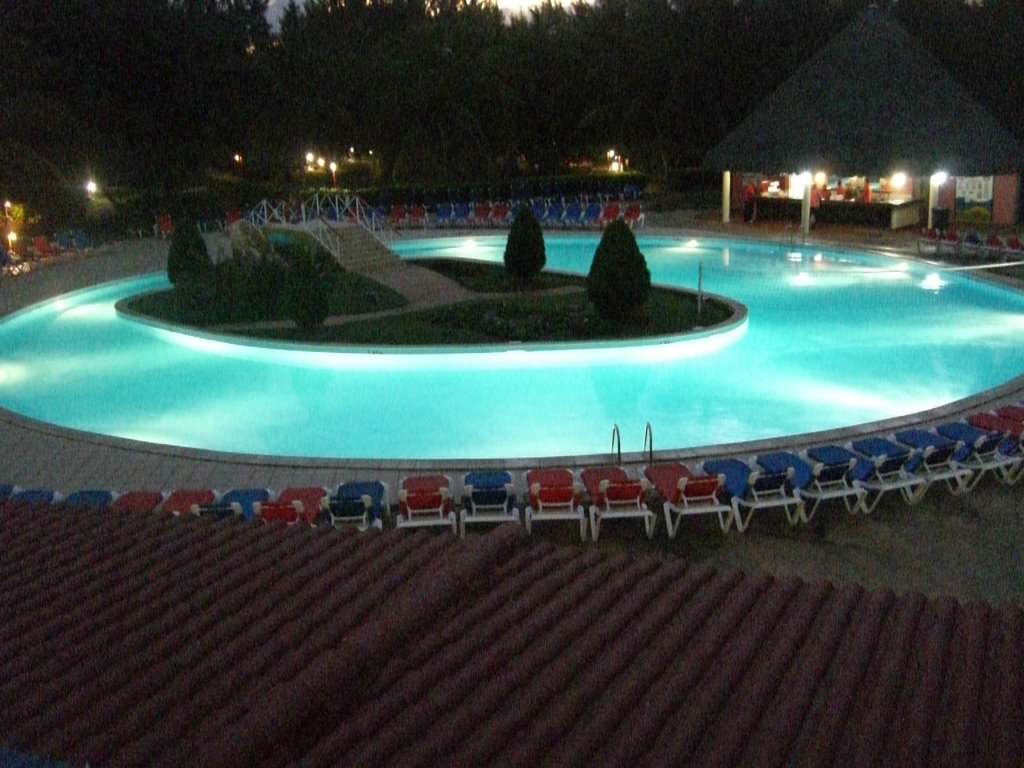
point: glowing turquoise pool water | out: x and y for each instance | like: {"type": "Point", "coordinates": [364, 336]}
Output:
{"type": "Point", "coordinates": [833, 338]}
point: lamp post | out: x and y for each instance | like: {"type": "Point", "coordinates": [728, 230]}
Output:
{"type": "Point", "coordinates": [334, 173]}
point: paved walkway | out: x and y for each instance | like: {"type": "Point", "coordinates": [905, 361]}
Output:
{"type": "Point", "coordinates": [37, 454]}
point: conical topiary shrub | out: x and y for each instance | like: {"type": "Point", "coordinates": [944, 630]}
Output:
{"type": "Point", "coordinates": [619, 283]}
{"type": "Point", "coordinates": [524, 251]}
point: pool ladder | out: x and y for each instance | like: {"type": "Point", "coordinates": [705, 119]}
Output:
{"type": "Point", "coordinates": [616, 448]}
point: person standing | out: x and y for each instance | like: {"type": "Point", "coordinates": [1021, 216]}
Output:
{"type": "Point", "coordinates": [749, 205]}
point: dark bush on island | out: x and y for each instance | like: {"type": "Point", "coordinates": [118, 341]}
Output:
{"type": "Point", "coordinates": [524, 251]}
{"type": "Point", "coordinates": [187, 254]}
{"type": "Point", "coordinates": [306, 289]}
{"type": "Point", "coordinates": [619, 283]}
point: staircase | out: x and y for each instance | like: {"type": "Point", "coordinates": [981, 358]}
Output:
{"type": "Point", "coordinates": [354, 248]}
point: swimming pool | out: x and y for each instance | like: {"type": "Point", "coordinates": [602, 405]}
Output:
{"type": "Point", "coordinates": [833, 338]}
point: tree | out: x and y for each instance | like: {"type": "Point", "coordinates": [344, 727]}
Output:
{"type": "Point", "coordinates": [187, 256]}
{"type": "Point", "coordinates": [524, 250]}
{"type": "Point", "coordinates": [619, 282]}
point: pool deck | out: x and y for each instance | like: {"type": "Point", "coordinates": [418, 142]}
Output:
{"type": "Point", "coordinates": [40, 455]}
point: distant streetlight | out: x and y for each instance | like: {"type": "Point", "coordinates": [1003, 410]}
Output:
{"type": "Point", "coordinates": [334, 173]}
{"type": "Point", "coordinates": [320, 162]}
{"type": "Point", "coordinates": [90, 188]}
{"type": "Point", "coordinates": [309, 158]}
{"type": "Point", "coordinates": [238, 158]}
{"type": "Point", "coordinates": [12, 238]}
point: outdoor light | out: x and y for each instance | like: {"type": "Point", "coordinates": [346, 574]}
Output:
{"type": "Point", "coordinates": [12, 238]}
{"type": "Point", "coordinates": [938, 179]}
{"type": "Point", "coordinates": [90, 187]}
{"type": "Point", "coordinates": [309, 158]}
{"type": "Point", "coordinates": [820, 179]}
{"type": "Point", "coordinates": [898, 180]}
{"type": "Point", "coordinates": [611, 154]}
{"type": "Point", "coordinates": [320, 162]}
{"type": "Point", "coordinates": [238, 158]}
{"type": "Point", "coordinates": [334, 172]}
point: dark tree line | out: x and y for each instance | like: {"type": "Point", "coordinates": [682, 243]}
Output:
{"type": "Point", "coordinates": [153, 93]}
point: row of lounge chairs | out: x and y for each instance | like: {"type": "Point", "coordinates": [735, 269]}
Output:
{"type": "Point", "coordinates": [994, 246]}
{"type": "Point", "coordinates": [550, 213]}
{"type": "Point", "coordinates": [858, 475]}
{"type": "Point", "coordinates": [362, 503]}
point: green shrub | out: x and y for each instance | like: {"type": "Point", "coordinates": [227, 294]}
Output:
{"type": "Point", "coordinates": [307, 292]}
{"type": "Point", "coordinates": [524, 250]}
{"type": "Point", "coordinates": [187, 254]}
{"type": "Point", "coordinates": [619, 283]}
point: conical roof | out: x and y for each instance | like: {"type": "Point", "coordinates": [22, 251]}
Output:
{"type": "Point", "coordinates": [872, 101]}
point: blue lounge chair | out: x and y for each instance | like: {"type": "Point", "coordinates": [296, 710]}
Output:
{"type": "Point", "coordinates": [935, 460]}
{"type": "Point", "coordinates": [832, 477]}
{"type": "Point", "coordinates": [753, 490]}
{"type": "Point", "coordinates": [573, 214]}
{"type": "Point", "coordinates": [553, 215]}
{"type": "Point", "coordinates": [591, 215]}
{"type": "Point", "coordinates": [7, 490]}
{"type": "Point", "coordinates": [487, 497]}
{"type": "Point", "coordinates": [34, 496]}
{"type": "Point", "coordinates": [985, 451]}
{"type": "Point", "coordinates": [462, 215]}
{"type": "Point", "coordinates": [92, 499]}
{"type": "Point", "coordinates": [539, 208]}
{"type": "Point", "coordinates": [883, 469]}
{"type": "Point", "coordinates": [236, 503]}
{"type": "Point", "coordinates": [362, 502]}
{"type": "Point", "coordinates": [444, 215]}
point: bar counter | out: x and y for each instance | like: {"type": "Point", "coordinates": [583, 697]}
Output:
{"type": "Point", "coordinates": [879, 215]}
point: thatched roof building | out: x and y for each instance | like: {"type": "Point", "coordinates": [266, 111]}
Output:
{"type": "Point", "coordinates": [872, 101]}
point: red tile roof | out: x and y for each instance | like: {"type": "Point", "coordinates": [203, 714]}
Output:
{"type": "Point", "coordinates": [148, 640]}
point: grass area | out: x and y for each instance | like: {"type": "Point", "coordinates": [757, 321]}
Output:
{"type": "Point", "coordinates": [488, 277]}
{"type": "Point", "coordinates": [523, 316]}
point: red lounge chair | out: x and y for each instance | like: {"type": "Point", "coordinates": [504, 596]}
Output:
{"type": "Point", "coordinates": [991, 421]}
{"type": "Point", "coordinates": [417, 216]}
{"type": "Point", "coordinates": [42, 248]}
{"type": "Point", "coordinates": [231, 217]}
{"type": "Point", "coordinates": [398, 216]}
{"type": "Point", "coordinates": [608, 214]}
{"type": "Point", "coordinates": [633, 215]}
{"type": "Point", "coordinates": [181, 501]}
{"type": "Point", "coordinates": [501, 215]}
{"type": "Point", "coordinates": [289, 512]}
{"type": "Point", "coordinates": [309, 497]}
{"type": "Point", "coordinates": [482, 214]}
{"type": "Point", "coordinates": [426, 500]}
{"type": "Point", "coordinates": [164, 226]}
{"type": "Point", "coordinates": [1012, 412]}
{"type": "Point", "coordinates": [684, 493]}
{"type": "Point", "coordinates": [554, 494]}
{"type": "Point", "coordinates": [137, 502]}
{"type": "Point", "coordinates": [614, 494]}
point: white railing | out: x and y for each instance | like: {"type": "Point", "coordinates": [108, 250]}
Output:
{"type": "Point", "coordinates": [326, 209]}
